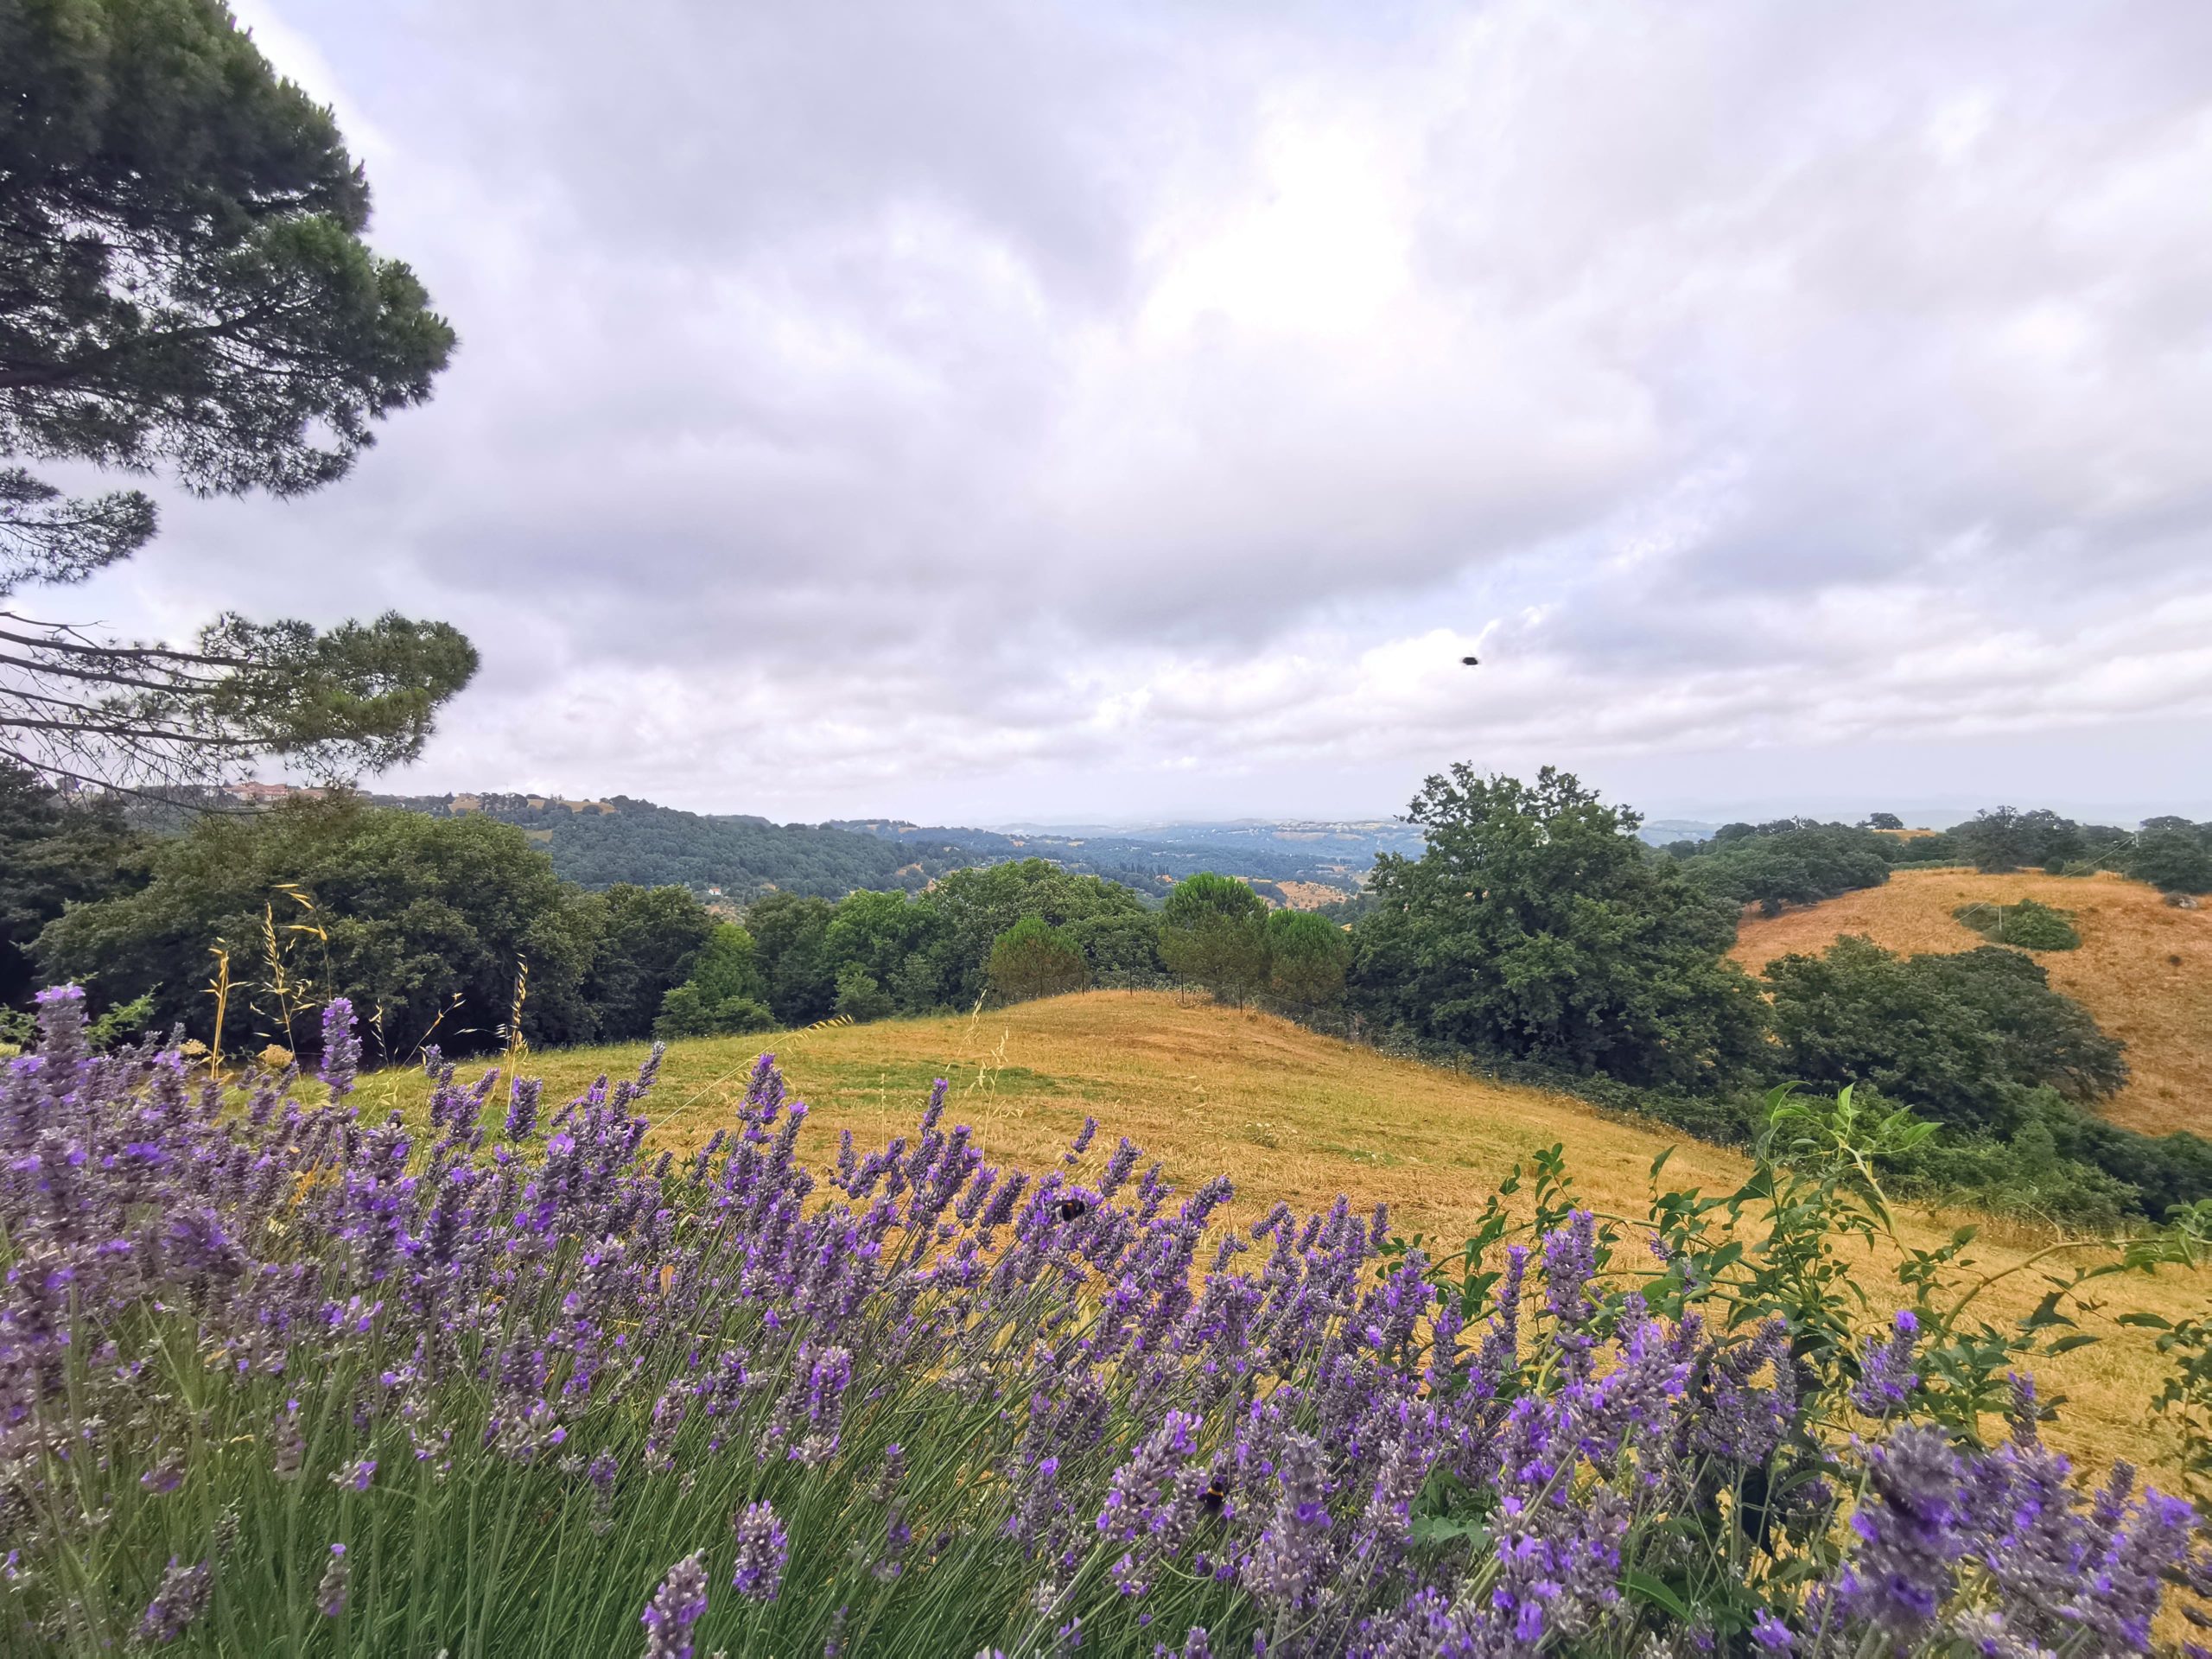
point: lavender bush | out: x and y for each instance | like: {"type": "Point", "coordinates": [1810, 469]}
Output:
{"type": "Point", "coordinates": [276, 1379]}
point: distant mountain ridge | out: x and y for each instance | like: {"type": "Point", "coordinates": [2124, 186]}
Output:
{"type": "Point", "coordinates": [736, 857]}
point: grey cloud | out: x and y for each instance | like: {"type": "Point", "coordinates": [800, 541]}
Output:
{"type": "Point", "coordinates": [864, 402]}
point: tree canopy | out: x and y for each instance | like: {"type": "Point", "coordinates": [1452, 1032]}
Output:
{"type": "Point", "coordinates": [1955, 1037]}
{"type": "Point", "coordinates": [1213, 931]}
{"type": "Point", "coordinates": [977, 906]}
{"type": "Point", "coordinates": [1307, 956]}
{"type": "Point", "coordinates": [55, 850]}
{"type": "Point", "coordinates": [1792, 861]}
{"type": "Point", "coordinates": [2002, 839]}
{"type": "Point", "coordinates": [423, 922]}
{"type": "Point", "coordinates": [1033, 958]}
{"type": "Point", "coordinates": [644, 941]}
{"type": "Point", "coordinates": [2171, 854]}
{"type": "Point", "coordinates": [184, 291]}
{"type": "Point", "coordinates": [726, 994]}
{"type": "Point", "coordinates": [1536, 927]}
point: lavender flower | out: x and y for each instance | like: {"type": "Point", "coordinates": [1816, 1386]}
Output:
{"type": "Point", "coordinates": [1908, 1536]}
{"type": "Point", "coordinates": [1280, 1572]}
{"type": "Point", "coordinates": [1262, 1431]}
{"type": "Point", "coordinates": [180, 1600]}
{"type": "Point", "coordinates": [330, 1594]}
{"type": "Point", "coordinates": [1886, 1378]}
{"type": "Point", "coordinates": [1770, 1634]}
{"type": "Point", "coordinates": [341, 1048]}
{"type": "Point", "coordinates": [2122, 1594]}
{"type": "Point", "coordinates": [165, 1475]}
{"type": "Point", "coordinates": [675, 1608]}
{"type": "Point", "coordinates": [522, 1107]}
{"type": "Point", "coordinates": [763, 1551]}
{"type": "Point", "coordinates": [357, 1474]}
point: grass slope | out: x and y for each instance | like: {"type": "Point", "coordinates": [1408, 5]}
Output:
{"type": "Point", "coordinates": [1286, 1113]}
{"type": "Point", "coordinates": [2143, 967]}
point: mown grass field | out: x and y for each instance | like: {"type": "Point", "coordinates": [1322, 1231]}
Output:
{"type": "Point", "coordinates": [2143, 967]}
{"type": "Point", "coordinates": [1287, 1113]}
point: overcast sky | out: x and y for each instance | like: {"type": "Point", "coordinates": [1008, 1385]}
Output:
{"type": "Point", "coordinates": [980, 412]}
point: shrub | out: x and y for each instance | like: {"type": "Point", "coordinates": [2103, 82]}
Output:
{"type": "Point", "coordinates": [1939, 849]}
{"type": "Point", "coordinates": [1955, 1037]}
{"type": "Point", "coordinates": [326, 1385]}
{"type": "Point", "coordinates": [859, 997]}
{"type": "Point", "coordinates": [2065, 1165]}
{"type": "Point", "coordinates": [685, 1013]}
{"type": "Point", "coordinates": [2028, 925]}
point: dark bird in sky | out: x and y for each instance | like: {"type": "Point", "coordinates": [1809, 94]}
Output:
{"type": "Point", "coordinates": [1471, 661]}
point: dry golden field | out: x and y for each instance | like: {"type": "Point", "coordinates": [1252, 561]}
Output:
{"type": "Point", "coordinates": [1311, 895]}
{"type": "Point", "coordinates": [1289, 1115]}
{"type": "Point", "coordinates": [2144, 968]}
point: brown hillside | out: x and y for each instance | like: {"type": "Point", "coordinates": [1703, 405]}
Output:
{"type": "Point", "coordinates": [2144, 968]}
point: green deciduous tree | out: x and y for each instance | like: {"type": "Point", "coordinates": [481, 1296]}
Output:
{"type": "Point", "coordinates": [184, 291]}
{"type": "Point", "coordinates": [977, 905]}
{"type": "Point", "coordinates": [1033, 958]}
{"type": "Point", "coordinates": [421, 921]}
{"type": "Point", "coordinates": [727, 993]}
{"type": "Point", "coordinates": [1789, 863]}
{"type": "Point", "coordinates": [790, 933]}
{"type": "Point", "coordinates": [897, 943]}
{"type": "Point", "coordinates": [1536, 927]}
{"type": "Point", "coordinates": [1955, 1037]}
{"type": "Point", "coordinates": [55, 850]}
{"type": "Point", "coordinates": [2174, 857]}
{"type": "Point", "coordinates": [643, 941]}
{"type": "Point", "coordinates": [2002, 839]}
{"type": "Point", "coordinates": [1213, 932]}
{"type": "Point", "coordinates": [1121, 945]}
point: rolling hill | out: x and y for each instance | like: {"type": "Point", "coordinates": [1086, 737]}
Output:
{"type": "Point", "coordinates": [2144, 968]}
{"type": "Point", "coordinates": [1287, 1113]}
